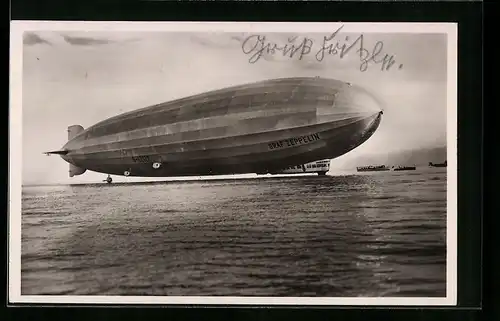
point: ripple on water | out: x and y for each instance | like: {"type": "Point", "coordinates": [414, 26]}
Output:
{"type": "Point", "coordinates": [358, 235]}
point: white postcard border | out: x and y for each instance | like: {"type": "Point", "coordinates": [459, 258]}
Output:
{"type": "Point", "coordinates": [15, 158]}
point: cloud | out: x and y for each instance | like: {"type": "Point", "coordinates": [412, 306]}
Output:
{"type": "Point", "coordinates": [85, 41]}
{"type": "Point", "coordinates": [31, 38]}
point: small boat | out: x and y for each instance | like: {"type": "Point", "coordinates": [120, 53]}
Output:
{"type": "Point", "coordinates": [438, 164]}
{"type": "Point", "coordinates": [378, 168]}
{"type": "Point", "coordinates": [405, 168]}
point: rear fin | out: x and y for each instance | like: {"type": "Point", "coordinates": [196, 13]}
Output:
{"type": "Point", "coordinates": [75, 170]}
{"type": "Point", "coordinates": [57, 152]}
{"type": "Point", "coordinates": [74, 130]}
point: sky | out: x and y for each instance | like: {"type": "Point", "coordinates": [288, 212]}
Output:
{"type": "Point", "coordinates": [84, 77]}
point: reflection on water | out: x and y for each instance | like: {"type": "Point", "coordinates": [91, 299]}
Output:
{"type": "Point", "coordinates": [381, 234]}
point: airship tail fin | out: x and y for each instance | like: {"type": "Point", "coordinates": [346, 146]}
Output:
{"type": "Point", "coordinates": [74, 130]}
{"type": "Point", "coordinates": [57, 152]}
{"type": "Point", "coordinates": [75, 170]}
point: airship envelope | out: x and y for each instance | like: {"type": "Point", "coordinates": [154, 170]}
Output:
{"type": "Point", "coordinates": [252, 128]}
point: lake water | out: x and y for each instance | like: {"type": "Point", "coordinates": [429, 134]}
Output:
{"type": "Point", "coordinates": [374, 234]}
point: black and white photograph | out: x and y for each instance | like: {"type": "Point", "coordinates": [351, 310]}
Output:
{"type": "Point", "coordinates": [233, 163]}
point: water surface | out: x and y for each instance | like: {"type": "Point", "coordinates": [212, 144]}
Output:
{"type": "Point", "coordinates": [374, 234]}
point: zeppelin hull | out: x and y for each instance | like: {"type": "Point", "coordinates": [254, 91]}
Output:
{"type": "Point", "coordinates": [253, 128]}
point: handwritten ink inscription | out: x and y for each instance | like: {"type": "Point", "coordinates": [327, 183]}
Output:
{"type": "Point", "coordinates": [294, 141]}
{"type": "Point", "coordinates": [255, 46]}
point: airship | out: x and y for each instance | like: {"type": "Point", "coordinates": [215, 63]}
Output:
{"type": "Point", "coordinates": [258, 127]}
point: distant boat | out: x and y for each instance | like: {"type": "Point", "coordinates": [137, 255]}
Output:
{"type": "Point", "coordinates": [405, 168]}
{"type": "Point", "coordinates": [378, 168]}
{"type": "Point", "coordinates": [321, 167]}
{"type": "Point", "coordinates": [438, 164]}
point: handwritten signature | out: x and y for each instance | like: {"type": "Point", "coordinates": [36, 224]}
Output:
{"type": "Point", "coordinates": [257, 45]}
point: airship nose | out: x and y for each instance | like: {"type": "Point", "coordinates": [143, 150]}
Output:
{"type": "Point", "coordinates": [358, 106]}
{"type": "Point", "coordinates": [351, 102]}
{"type": "Point", "coordinates": [362, 101]}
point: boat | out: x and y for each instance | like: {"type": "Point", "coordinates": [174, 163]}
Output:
{"type": "Point", "coordinates": [377, 168]}
{"type": "Point", "coordinates": [259, 127]}
{"type": "Point", "coordinates": [405, 168]}
{"type": "Point", "coordinates": [444, 164]}
{"type": "Point", "coordinates": [321, 167]}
